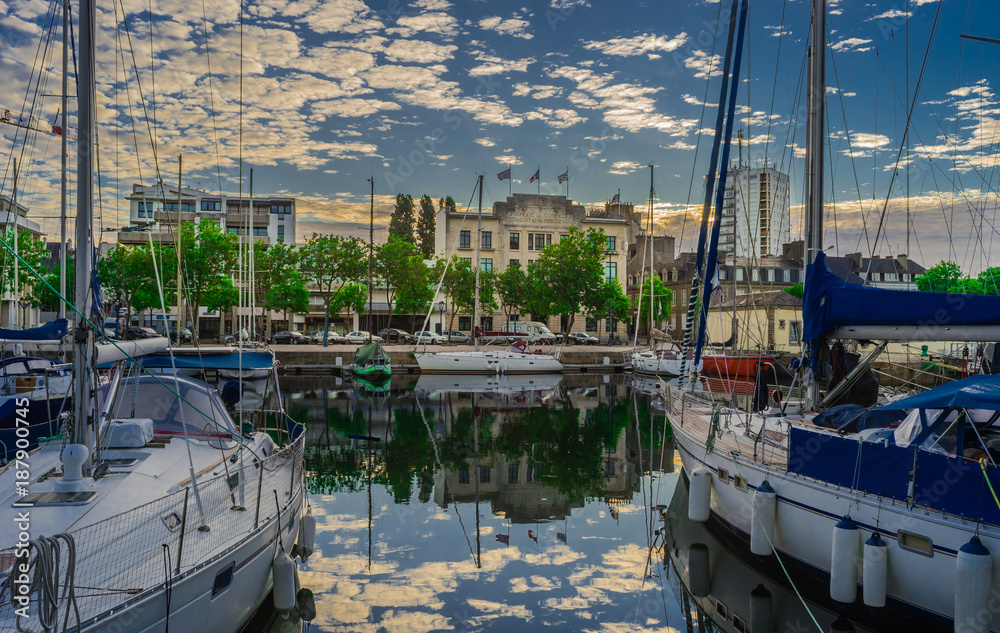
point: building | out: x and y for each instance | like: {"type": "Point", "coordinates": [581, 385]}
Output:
{"type": "Point", "coordinates": [896, 273]}
{"type": "Point", "coordinates": [518, 228]}
{"type": "Point", "coordinates": [155, 208]}
{"type": "Point", "coordinates": [755, 212]}
{"type": "Point", "coordinates": [15, 310]}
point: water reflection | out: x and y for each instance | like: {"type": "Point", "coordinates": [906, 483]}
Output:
{"type": "Point", "coordinates": [485, 503]}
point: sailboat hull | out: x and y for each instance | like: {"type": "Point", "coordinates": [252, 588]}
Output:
{"type": "Point", "coordinates": [731, 366]}
{"type": "Point", "coordinates": [661, 364]}
{"type": "Point", "coordinates": [922, 543]}
{"type": "Point", "coordinates": [497, 362]}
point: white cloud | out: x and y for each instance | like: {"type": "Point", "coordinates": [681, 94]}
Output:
{"type": "Point", "coordinates": [890, 14]}
{"type": "Point", "coordinates": [562, 5]}
{"type": "Point", "coordinates": [493, 65]}
{"type": "Point", "coordinates": [485, 142]}
{"type": "Point", "coordinates": [431, 22]}
{"type": "Point", "coordinates": [644, 44]}
{"type": "Point", "coordinates": [856, 44]}
{"type": "Point", "coordinates": [623, 167]}
{"type": "Point", "coordinates": [704, 65]}
{"type": "Point", "coordinates": [511, 26]}
{"type": "Point", "coordinates": [418, 52]}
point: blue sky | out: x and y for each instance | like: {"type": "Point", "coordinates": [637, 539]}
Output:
{"type": "Point", "coordinates": [424, 94]}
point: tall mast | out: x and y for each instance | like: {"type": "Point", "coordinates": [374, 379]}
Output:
{"type": "Point", "coordinates": [180, 295]}
{"type": "Point", "coordinates": [16, 304]}
{"type": "Point", "coordinates": [371, 255]}
{"type": "Point", "coordinates": [479, 241]}
{"type": "Point", "coordinates": [65, 159]}
{"type": "Point", "coordinates": [82, 336]}
{"type": "Point", "coordinates": [814, 138]}
{"type": "Point", "coordinates": [651, 251]}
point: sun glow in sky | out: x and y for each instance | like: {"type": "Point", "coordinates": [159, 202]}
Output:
{"type": "Point", "coordinates": [424, 94]}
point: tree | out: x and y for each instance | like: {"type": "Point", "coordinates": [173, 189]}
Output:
{"type": "Point", "coordinates": [276, 266]}
{"type": "Point", "coordinates": [288, 294]}
{"type": "Point", "coordinates": [448, 203]}
{"type": "Point", "coordinates": [354, 296]}
{"type": "Point", "coordinates": [572, 270]}
{"type": "Point", "coordinates": [513, 289]}
{"type": "Point", "coordinates": [401, 222]}
{"type": "Point", "coordinates": [400, 269]}
{"type": "Point", "coordinates": [425, 226]}
{"type": "Point", "coordinates": [48, 300]}
{"type": "Point", "coordinates": [796, 290]}
{"type": "Point", "coordinates": [941, 277]}
{"type": "Point", "coordinates": [127, 276]}
{"type": "Point", "coordinates": [32, 250]}
{"type": "Point", "coordinates": [609, 301]}
{"type": "Point", "coordinates": [662, 301]}
{"type": "Point", "coordinates": [990, 280]}
{"type": "Point", "coordinates": [208, 256]}
{"type": "Point", "coordinates": [460, 283]}
{"type": "Point", "coordinates": [331, 263]}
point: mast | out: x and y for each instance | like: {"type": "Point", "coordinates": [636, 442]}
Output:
{"type": "Point", "coordinates": [479, 241]}
{"type": "Point", "coordinates": [16, 304]}
{"type": "Point", "coordinates": [180, 295]}
{"type": "Point", "coordinates": [651, 251]}
{"type": "Point", "coordinates": [65, 159]}
{"type": "Point", "coordinates": [82, 432]}
{"type": "Point", "coordinates": [371, 255]}
{"type": "Point", "coordinates": [814, 158]}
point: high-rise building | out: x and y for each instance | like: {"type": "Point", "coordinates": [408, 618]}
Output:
{"type": "Point", "coordinates": [755, 220]}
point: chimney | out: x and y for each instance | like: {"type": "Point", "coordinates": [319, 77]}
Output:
{"type": "Point", "coordinates": [855, 261]}
{"type": "Point", "coordinates": [904, 262]}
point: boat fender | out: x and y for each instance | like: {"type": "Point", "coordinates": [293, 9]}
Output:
{"type": "Point", "coordinates": [699, 572]}
{"type": "Point", "coordinates": [843, 561]}
{"type": "Point", "coordinates": [283, 575]}
{"type": "Point", "coordinates": [765, 503]}
{"type": "Point", "coordinates": [307, 536]}
{"type": "Point", "coordinates": [306, 605]}
{"type": "Point", "coordinates": [700, 495]}
{"type": "Point", "coordinates": [874, 571]}
{"type": "Point", "coordinates": [761, 610]}
{"type": "Point", "coordinates": [973, 584]}
{"type": "Point", "coordinates": [842, 625]}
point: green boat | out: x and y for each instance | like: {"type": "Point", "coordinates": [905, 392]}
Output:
{"type": "Point", "coordinates": [371, 361]}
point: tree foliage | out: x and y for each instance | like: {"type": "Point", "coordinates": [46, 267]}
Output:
{"type": "Point", "coordinates": [513, 288]}
{"type": "Point", "coordinates": [333, 262]}
{"type": "Point", "coordinates": [796, 290]}
{"type": "Point", "coordinates": [662, 301]}
{"type": "Point", "coordinates": [208, 257]}
{"type": "Point", "coordinates": [401, 270]}
{"type": "Point", "coordinates": [402, 220]}
{"type": "Point", "coordinates": [425, 226]}
{"type": "Point", "coordinates": [941, 277]}
{"type": "Point", "coordinates": [571, 271]}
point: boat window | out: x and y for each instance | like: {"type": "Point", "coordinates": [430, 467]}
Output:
{"type": "Point", "coordinates": [723, 475]}
{"type": "Point", "coordinates": [39, 364]}
{"type": "Point", "coordinates": [915, 543]}
{"type": "Point", "coordinates": [14, 368]}
{"type": "Point", "coordinates": [202, 411]}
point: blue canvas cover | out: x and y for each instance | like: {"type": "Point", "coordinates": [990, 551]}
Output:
{"type": "Point", "coordinates": [831, 302]}
{"type": "Point", "coordinates": [52, 331]}
{"type": "Point", "coordinates": [211, 360]}
{"type": "Point", "coordinates": [975, 392]}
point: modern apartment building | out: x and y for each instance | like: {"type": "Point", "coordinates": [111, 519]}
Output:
{"type": "Point", "coordinates": [755, 215]}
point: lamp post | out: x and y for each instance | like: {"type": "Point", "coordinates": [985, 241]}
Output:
{"type": "Point", "coordinates": [442, 309]}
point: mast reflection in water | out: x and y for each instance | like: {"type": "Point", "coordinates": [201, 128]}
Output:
{"type": "Point", "coordinates": [485, 503]}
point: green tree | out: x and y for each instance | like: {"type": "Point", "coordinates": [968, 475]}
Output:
{"type": "Point", "coordinates": [208, 257]}
{"type": "Point", "coordinates": [609, 301]}
{"type": "Point", "coordinates": [990, 280]}
{"type": "Point", "coordinates": [47, 300]}
{"type": "Point", "coordinates": [280, 284]}
{"type": "Point", "coordinates": [662, 301]}
{"type": "Point", "coordinates": [354, 296]}
{"type": "Point", "coordinates": [33, 251]}
{"type": "Point", "coordinates": [425, 226]}
{"type": "Point", "coordinates": [572, 271]}
{"type": "Point", "coordinates": [396, 262]}
{"type": "Point", "coordinates": [127, 276]}
{"type": "Point", "coordinates": [448, 203]}
{"type": "Point", "coordinates": [538, 301]}
{"type": "Point", "coordinates": [331, 263]}
{"type": "Point", "coordinates": [402, 220]}
{"type": "Point", "coordinates": [289, 295]}
{"type": "Point", "coordinates": [796, 290]}
{"type": "Point", "coordinates": [941, 277]}
{"type": "Point", "coordinates": [513, 289]}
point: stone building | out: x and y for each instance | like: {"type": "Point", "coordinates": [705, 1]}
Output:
{"type": "Point", "coordinates": [518, 228]}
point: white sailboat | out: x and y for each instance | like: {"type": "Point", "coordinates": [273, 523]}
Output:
{"type": "Point", "coordinates": [901, 518]}
{"type": "Point", "coordinates": [516, 359]}
{"type": "Point", "coordinates": [158, 509]}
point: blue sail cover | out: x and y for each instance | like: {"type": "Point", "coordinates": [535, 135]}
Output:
{"type": "Point", "coordinates": [975, 392]}
{"type": "Point", "coordinates": [211, 360]}
{"type": "Point", "coordinates": [52, 331]}
{"type": "Point", "coordinates": [830, 302]}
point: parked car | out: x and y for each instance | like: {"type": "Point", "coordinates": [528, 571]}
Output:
{"type": "Point", "coordinates": [135, 332]}
{"type": "Point", "coordinates": [429, 338]}
{"type": "Point", "coordinates": [395, 335]}
{"type": "Point", "coordinates": [293, 337]}
{"type": "Point", "coordinates": [332, 337]}
{"type": "Point", "coordinates": [457, 337]}
{"type": "Point", "coordinates": [359, 337]}
{"type": "Point", "coordinates": [185, 335]}
{"type": "Point", "coordinates": [581, 338]}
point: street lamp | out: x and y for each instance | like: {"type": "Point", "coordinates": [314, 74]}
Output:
{"type": "Point", "coordinates": [442, 309]}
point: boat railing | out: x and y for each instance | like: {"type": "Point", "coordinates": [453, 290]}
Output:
{"type": "Point", "coordinates": [127, 557]}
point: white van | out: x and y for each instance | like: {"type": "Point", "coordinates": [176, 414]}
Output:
{"type": "Point", "coordinates": [536, 330]}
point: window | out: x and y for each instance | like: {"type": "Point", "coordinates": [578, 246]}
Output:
{"type": "Point", "coordinates": [875, 276]}
{"type": "Point", "coordinates": [563, 236]}
{"type": "Point", "coordinates": [211, 205]}
{"type": "Point", "coordinates": [465, 239]}
{"type": "Point", "coordinates": [768, 274]}
{"type": "Point", "coordinates": [486, 264]}
{"type": "Point", "coordinates": [531, 241]}
{"type": "Point", "coordinates": [794, 330]}
{"type": "Point", "coordinates": [891, 277]}
{"type": "Point", "coordinates": [466, 260]}
{"type": "Point", "coordinates": [548, 239]}
{"type": "Point", "coordinates": [534, 472]}
{"type": "Point", "coordinates": [906, 277]}
{"type": "Point", "coordinates": [142, 213]}
{"type": "Point", "coordinates": [611, 270]}
{"type": "Point", "coordinates": [609, 468]}
{"type": "Point", "coordinates": [484, 475]}
{"type": "Point", "coordinates": [281, 232]}
{"type": "Point", "coordinates": [487, 239]}
{"type": "Point", "coordinates": [512, 473]}
{"type": "Point", "coordinates": [722, 274]}
{"type": "Point", "coordinates": [781, 324]}
{"type": "Point", "coordinates": [486, 323]}
{"type": "Point", "coordinates": [515, 241]}
{"type": "Point", "coordinates": [281, 207]}
{"type": "Point", "coordinates": [788, 276]}
{"type": "Point", "coordinates": [755, 274]}
{"type": "Point", "coordinates": [611, 242]}
{"type": "Point", "coordinates": [465, 323]}
{"type": "Point", "coordinates": [591, 325]}
{"type": "Point", "coordinates": [463, 476]}
{"type": "Point", "coordinates": [740, 274]}
{"type": "Point", "coordinates": [233, 230]}
{"type": "Point", "coordinates": [261, 231]}
{"type": "Point", "coordinates": [538, 241]}
{"type": "Point", "coordinates": [512, 262]}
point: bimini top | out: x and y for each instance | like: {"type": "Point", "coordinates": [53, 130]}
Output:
{"type": "Point", "coordinates": [830, 302]}
{"type": "Point", "coordinates": [52, 331]}
{"type": "Point", "coordinates": [974, 392]}
{"type": "Point", "coordinates": [211, 360]}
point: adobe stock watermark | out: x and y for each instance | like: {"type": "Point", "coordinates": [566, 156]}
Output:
{"type": "Point", "coordinates": [21, 587]}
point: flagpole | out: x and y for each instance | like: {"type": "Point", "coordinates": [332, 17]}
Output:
{"type": "Point", "coordinates": [510, 181]}
{"type": "Point", "coordinates": [538, 181]}
{"type": "Point", "coordinates": [567, 183]}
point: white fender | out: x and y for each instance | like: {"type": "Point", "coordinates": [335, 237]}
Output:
{"type": "Point", "coordinates": [874, 571]}
{"type": "Point", "coordinates": [307, 536]}
{"type": "Point", "coordinates": [700, 495]}
{"type": "Point", "coordinates": [844, 561]}
{"type": "Point", "coordinates": [973, 584]}
{"type": "Point", "coordinates": [765, 504]}
{"type": "Point", "coordinates": [283, 574]}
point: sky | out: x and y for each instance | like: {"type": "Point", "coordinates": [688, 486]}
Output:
{"type": "Point", "coordinates": [318, 96]}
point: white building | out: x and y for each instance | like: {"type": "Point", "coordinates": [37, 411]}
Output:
{"type": "Point", "coordinates": [23, 315]}
{"type": "Point", "coordinates": [755, 217]}
{"type": "Point", "coordinates": [272, 218]}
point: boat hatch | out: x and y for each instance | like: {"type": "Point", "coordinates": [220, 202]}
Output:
{"type": "Point", "coordinates": [172, 520]}
{"type": "Point", "coordinates": [915, 543]}
{"type": "Point", "coordinates": [37, 499]}
{"type": "Point", "coordinates": [123, 462]}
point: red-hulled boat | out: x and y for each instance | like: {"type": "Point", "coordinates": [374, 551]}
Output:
{"type": "Point", "coordinates": [733, 365]}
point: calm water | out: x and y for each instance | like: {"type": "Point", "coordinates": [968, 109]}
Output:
{"type": "Point", "coordinates": [461, 504]}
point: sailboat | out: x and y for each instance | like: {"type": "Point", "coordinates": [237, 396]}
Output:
{"type": "Point", "coordinates": [657, 359]}
{"type": "Point", "coordinates": [892, 516]}
{"type": "Point", "coordinates": [516, 359]}
{"type": "Point", "coordinates": [371, 361]}
{"type": "Point", "coordinates": [157, 508]}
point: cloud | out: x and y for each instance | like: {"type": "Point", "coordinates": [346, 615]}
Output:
{"type": "Point", "coordinates": [623, 167]}
{"type": "Point", "coordinates": [704, 65]}
{"type": "Point", "coordinates": [418, 52]}
{"type": "Point", "coordinates": [485, 142]}
{"type": "Point", "coordinates": [511, 26]}
{"type": "Point", "coordinates": [431, 22]}
{"type": "Point", "coordinates": [855, 44]}
{"type": "Point", "coordinates": [639, 45]}
{"type": "Point", "coordinates": [493, 65]}
{"type": "Point", "coordinates": [890, 14]}
{"type": "Point", "coordinates": [537, 92]}
{"type": "Point", "coordinates": [562, 5]}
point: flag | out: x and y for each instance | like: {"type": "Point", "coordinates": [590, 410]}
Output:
{"type": "Point", "coordinates": [504, 175]}
{"type": "Point", "coordinates": [614, 200]}
{"type": "Point", "coordinates": [563, 177]}
{"type": "Point", "coordinates": [503, 538]}
{"type": "Point", "coordinates": [533, 537]}
{"type": "Point", "coordinates": [561, 536]}
{"type": "Point", "coordinates": [535, 177]}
